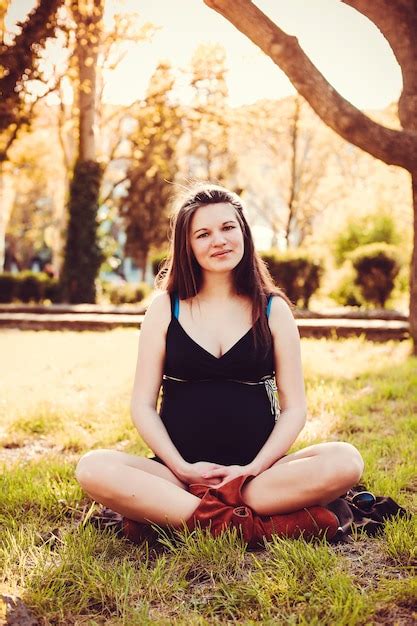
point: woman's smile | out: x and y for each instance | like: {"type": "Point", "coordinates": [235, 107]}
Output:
{"type": "Point", "coordinates": [216, 234]}
{"type": "Point", "coordinates": [221, 254]}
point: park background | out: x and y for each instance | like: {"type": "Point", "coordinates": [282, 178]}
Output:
{"type": "Point", "coordinates": [109, 109]}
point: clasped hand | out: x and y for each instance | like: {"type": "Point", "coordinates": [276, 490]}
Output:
{"type": "Point", "coordinates": [212, 474]}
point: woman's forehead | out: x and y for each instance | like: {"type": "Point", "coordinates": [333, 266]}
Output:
{"type": "Point", "coordinates": [212, 215]}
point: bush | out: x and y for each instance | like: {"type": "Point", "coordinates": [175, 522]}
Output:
{"type": "Point", "coordinates": [31, 286]}
{"type": "Point", "coordinates": [28, 286]}
{"type": "Point", "coordinates": [346, 292]}
{"type": "Point", "coordinates": [364, 230]}
{"type": "Point", "coordinates": [377, 266]}
{"type": "Point", "coordinates": [129, 293]}
{"type": "Point", "coordinates": [8, 285]}
{"type": "Point", "coordinates": [53, 290]}
{"type": "Point", "coordinates": [296, 272]}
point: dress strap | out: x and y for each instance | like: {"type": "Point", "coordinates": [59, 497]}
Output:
{"type": "Point", "coordinates": [268, 306]}
{"type": "Point", "coordinates": [175, 305]}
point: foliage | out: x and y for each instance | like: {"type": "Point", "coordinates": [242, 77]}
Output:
{"type": "Point", "coordinates": [208, 154]}
{"type": "Point", "coordinates": [28, 286]}
{"type": "Point", "coordinates": [296, 272]}
{"type": "Point", "coordinates": [7, 287]}
{"type": "Point", "coordinates": [376, 265]}
{"type": "Point", "coordinates": [145, 209]}
{"type": "Point", "coordinates": [362, 230]}
{"type": "Point", "coordinates": [82, 253]}
{"type": "Point", "coordinates": [127, 293]}
{"type": "Point", "coordinates": [19, 62]}
{"type": "Point", "coordinates": [346, 292]}
{"type": "Point", "coordinates": [36, 168]}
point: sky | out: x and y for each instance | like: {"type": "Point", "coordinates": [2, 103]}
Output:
{"type": "Point", "coordinates": [346, 47]}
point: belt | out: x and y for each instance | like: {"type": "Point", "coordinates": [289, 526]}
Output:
{"type": "Point", "coordinates": [267, 381]}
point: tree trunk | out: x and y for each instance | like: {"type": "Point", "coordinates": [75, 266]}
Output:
{"type": "Point", "coordinates": [82, 253]}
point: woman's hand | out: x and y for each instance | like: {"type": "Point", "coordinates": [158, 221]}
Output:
{"type": "Point", "coordinates": [199, 472]}
{"type": "Point", "coordinates": [227, 473]}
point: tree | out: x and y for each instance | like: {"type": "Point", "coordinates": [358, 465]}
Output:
{"type": "Point", "coordinates": [19, 66]}
{"type": "Point", "coordinates": [19, 61]}
{"type": "Point", "coordinates": [207, 122]}
{"type": "Point", "coordinates": [154, 166]}
{"type": "Point", "coordinates": [82, 253]}
{"type": "Point", "coordinates": [281, 142]}
{"type": "Point", "coordinates": [122, 30]}
{"type": "Point", "coordinates": [396, 21]}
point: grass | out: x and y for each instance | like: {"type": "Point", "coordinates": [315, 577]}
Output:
{"type": "Point", "coordinates": [64, 393]}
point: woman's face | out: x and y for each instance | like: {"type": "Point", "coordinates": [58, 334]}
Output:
{"type": "Point", "coordinates": [216, 237]}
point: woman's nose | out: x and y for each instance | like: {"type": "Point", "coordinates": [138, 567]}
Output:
{"type": "Point", "coordinates": [219, 238]}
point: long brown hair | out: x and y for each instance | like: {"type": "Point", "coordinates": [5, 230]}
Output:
{"type": "Point", "coordinates": [182, 274]}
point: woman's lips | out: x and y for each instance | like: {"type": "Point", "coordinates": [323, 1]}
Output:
{"type": "Point", "coordinates": [222, 253]}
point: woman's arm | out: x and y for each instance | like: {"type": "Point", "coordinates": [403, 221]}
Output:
{"type": "Point", "coordinates": [290, 383]}
{"type": "Point", "coordinates": [148, 377]}
{"type": "Point", "coordinates": [149, 370]}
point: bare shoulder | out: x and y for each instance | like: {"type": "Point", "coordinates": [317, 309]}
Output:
{"type": "Point", "coordinates": [159, 310]}
{"type": "Point", "coordinates": [281, 317]}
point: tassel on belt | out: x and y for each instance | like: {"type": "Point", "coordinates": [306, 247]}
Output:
{"type": "Point", "coordinates": [267, 381]}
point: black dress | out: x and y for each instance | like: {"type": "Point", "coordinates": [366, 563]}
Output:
{"type": "Point", "coordinates": [217, 409]}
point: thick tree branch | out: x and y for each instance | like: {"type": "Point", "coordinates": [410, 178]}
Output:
{"type": "Point", "coordinates": [392, 147]}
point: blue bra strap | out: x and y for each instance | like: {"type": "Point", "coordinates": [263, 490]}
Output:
{"type": "Point", "coordinates": [268, 306]}
{"type": "Point", "coordinates": [176, 306]}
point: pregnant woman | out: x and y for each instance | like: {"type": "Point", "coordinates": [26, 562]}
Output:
{"type": "Point", "coordinates": [221, 339]}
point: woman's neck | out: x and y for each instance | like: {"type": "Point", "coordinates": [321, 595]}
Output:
{"type": "Point", "coordinates": [217, 287]}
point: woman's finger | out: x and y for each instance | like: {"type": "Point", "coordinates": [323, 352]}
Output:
{"type": "Point", "coordinates": [213, 473]}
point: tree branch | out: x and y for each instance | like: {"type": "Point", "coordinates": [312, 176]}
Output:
{"type": "Point", "coordinates": [391, 146]}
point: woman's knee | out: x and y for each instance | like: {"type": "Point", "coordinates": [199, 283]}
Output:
{"type": "Point", "coordinates": [345, 461]}
{"type": "Point", "coordinates": [88, 467]}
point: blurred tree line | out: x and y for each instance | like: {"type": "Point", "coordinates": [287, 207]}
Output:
{"type": "Point", "coordinates": [98, 178]}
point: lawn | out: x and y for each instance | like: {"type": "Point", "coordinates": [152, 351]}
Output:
{"type": "Point", "coordinates": [64, 393]}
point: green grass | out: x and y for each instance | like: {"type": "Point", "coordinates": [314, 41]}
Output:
{"type": "Point", "coordinates": [73, 395]}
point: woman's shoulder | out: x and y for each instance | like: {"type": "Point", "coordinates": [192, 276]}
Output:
{"type": "Point", "coordinates": [159, 309]}
{"type": "Point", "coordinates": [280, 311]}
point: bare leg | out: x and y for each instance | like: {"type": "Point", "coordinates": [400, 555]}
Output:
{"type": "Point", "coordinates": [313, 476]}
{"type": "Point", "coordinates": [133, 492]}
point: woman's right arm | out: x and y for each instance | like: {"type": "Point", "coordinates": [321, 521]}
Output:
{"type": "Point", "coordinates": [148, 377]}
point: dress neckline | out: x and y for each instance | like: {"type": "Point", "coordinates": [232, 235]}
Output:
{"type": "Point", "coordinates": [213, 356]}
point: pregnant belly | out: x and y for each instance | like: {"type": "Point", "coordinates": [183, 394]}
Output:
{"type": "Point", "coordinates": [217, 421]}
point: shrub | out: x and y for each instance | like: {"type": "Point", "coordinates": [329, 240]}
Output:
{"type": "Point", "coordinates": [364, 230]}
{"type": "Point", "coordinates": [53, 290]}
{"type": "Point", "coordinates": [346, 292]}
{"type": "Point", "coordinates": [128, 293]}
{"type": "Point", "coordinates": [296, 272]}
{"type": "Point", "coordinates": [28, 286]}
{"type": "Point", "coordinates": [31, 286]}
{"type": "Point", "coordinates": [8, 285]}
{"type": "Point", "coordinates": [376, 265]}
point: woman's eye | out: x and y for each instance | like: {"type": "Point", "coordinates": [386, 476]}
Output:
{"type": "Point", "coordinates": [228, 227]}
{"type": "Point", "coordinates": [202, 235]}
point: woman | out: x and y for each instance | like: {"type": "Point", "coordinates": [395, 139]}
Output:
{"type": "Point", "coordinates": [218, 337]}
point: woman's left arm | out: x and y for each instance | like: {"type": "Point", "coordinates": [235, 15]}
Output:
{"type": "Point", "coordinates": [290, 383]}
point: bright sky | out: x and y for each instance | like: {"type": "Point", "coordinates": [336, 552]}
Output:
{"type": "Point", "coordinates": [347, 48]}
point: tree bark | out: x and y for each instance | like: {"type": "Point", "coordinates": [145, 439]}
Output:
{"type": "Point", "coordinates": [397, 21]}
